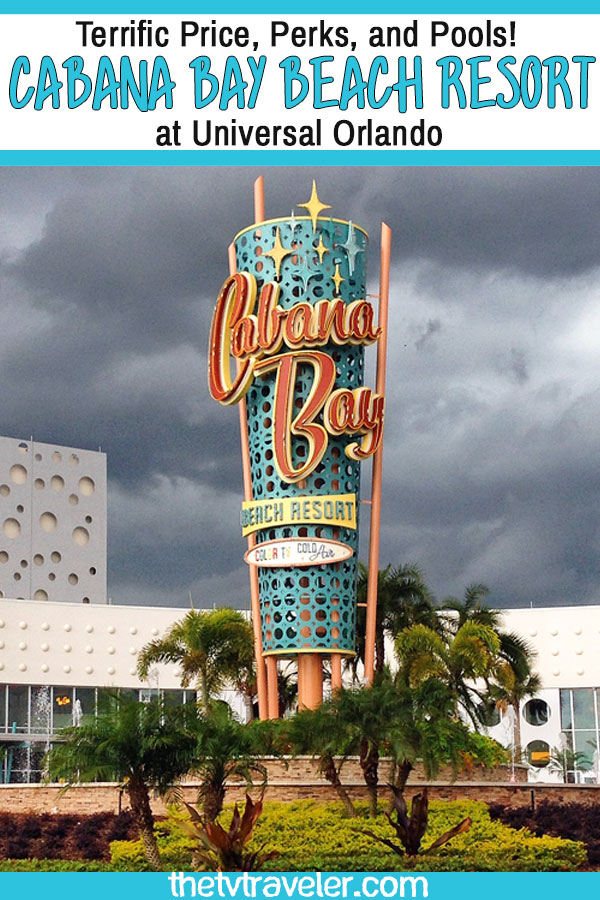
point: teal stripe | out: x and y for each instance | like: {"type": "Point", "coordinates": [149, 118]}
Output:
{"type": "Point", "coordinates": [309, 158]}
{"type": "Point", "coordinates": [461, 7]}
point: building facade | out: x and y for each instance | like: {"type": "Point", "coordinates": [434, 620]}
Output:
{"type": "Point", "coordinates": [560, 724]}
{"type": "Point", "coordinates": [57, 663]}
{"type": "Point", "coordinates": [58, 660]}
{"type": "Point", "coordinates": [53, 522]}
{"type": "Point", "coordinates": [62, 648]}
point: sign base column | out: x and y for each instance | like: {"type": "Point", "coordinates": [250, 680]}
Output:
{"type": "Point", "coordinates": [310, 681]}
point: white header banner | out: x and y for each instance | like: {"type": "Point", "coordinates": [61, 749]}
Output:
{"type": "Point", "coordinates": [354, 82]}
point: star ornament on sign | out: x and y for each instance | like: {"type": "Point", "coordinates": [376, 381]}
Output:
{"type": "Point", "coordinates": [314, 206]}
{"type": "Point", "coordinates": [321, 249]}
{"type": "Point", "coordinates": [278, 253]}
{"type": "Point", "coordinates": [337, 279]}
{"type": "Point", "coordinates": [351, 247]}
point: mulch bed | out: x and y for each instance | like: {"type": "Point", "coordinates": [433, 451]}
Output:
{"type": "Point", "coordinates": [565, 820]}
{"type": "Point", "coordinates": [48, 836]}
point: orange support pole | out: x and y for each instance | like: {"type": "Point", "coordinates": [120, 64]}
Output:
{"type": "Point", "coordinates": [261, 675]}
{"type": "Point", "coordinates": [310, 680]}
{"type": "Point", "coordinates": [336, 672]}
{"type": "Point", "coordinates": [259, 199]}
{"type": "Point", "coordinates": [384, 293]}
{"type": "Point", "coordinates": [272, 686]}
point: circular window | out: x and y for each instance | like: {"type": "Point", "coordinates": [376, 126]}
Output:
{"type": "Point", "coordinates": [536, 712]}
{"type": "Point", "coordinates": [538, 754]}
{"type": "Point", "coordinates": [488, 715]}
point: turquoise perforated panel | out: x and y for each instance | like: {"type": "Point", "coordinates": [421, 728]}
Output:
{"type": "Point", "coordinates": [312, 608]}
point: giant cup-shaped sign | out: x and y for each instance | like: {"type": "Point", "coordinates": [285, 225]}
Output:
{"type": "Point", "coordinates": [288, 334]}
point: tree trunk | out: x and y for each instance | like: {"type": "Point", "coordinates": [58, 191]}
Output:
{"type": "Point", "coordinates": [213, 797]}
{"type": "Point", "coordinates": [204, 697]}
{"type": "Point", "coordinates": [402, 773]}
{"type": "Point", "coordinates": [369, 763]}
{"type": "Point", "coordinates": [140, 807]}
{"type": "Point", "coordinates": [333, 777]}
{"type": "Point", "coordinates": [517, 730]}
{"type": "Point", "coordinates": [400, 778]}
{"type": "Point", "coordinates": [379, 649]}
{"type": "Point", "coordinates": [249, 704]}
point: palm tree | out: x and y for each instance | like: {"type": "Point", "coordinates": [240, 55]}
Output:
{"type": "Point", "coordinates": [515, 679]}
{"type": "Point", "coordinates": [460, 660]}
{"type": "Point", "coordinates": [403, 599]}
{"type": "Point", "coordinates": [326, 737]}
{"type": "Point", "coordinates": [212, 648]}
{"type": "Point", "coordinates": [432, 682]}
{"type": "Point", "coordinates": [287, 689]}
{"type": "Point", "coordinates": [226, 749]}
{"type": "Point", "coordinates": [371, 715]}
{"type": "Point", "coordinates": [407, 722]}
{"type": "Point", "coordinates": [144, 746]}
{"type": "Point", "coordinates": [563, 760]}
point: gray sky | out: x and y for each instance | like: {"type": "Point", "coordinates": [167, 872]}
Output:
{"type": "Point", "coordinates": [491, 467]}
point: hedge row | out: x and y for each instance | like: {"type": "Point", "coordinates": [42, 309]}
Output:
{"type": "Point", "coordinates": [315, 837]}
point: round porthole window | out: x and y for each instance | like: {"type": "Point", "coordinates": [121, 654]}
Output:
{"type": "Point", "coordinates": [488, 714]}
{"type": "Point", "coordinates": [536, 712]}
{"type": "Point", "coordinates": [538, 754]}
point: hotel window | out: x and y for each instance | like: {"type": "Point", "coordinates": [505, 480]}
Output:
{"type": "Point", "coordinates": [579, 722]}
{"type": "Point", "coordinates": [538, 754]}
{"type": "Point", "coordinates": [148, 694]}
{"type": "Point", "coordinates": [173, 698]}
{"type": "Point", "coordinates": [62, 707]}
{"type": "Point", "coordinates": [488, 714]}
{"type": "Point", "coordinates": [85, 704]}
{"type": "Point", "coordinates": [536, 712]}
{"type": "Point", "coordinates": [105, 700]}
{"type": "Point", "coordinates": [18, 708]}
{"type": "Point", "coordinates": [584, 713]}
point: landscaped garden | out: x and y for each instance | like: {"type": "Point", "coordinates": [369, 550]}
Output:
{"type": "Point", "coordinates": [305, 835]}
{"type": "Point", "coordinates": [447, 670]}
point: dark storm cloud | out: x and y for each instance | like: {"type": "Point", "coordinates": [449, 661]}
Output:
{"type": "Point", "coordinates": [108, 278]}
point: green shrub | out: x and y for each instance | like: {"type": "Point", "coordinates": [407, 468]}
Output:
{"type": "Point", "coordinates": [176, 847]}
{"type": "Point", "coordinates": [313, 837]}
{"type": "Point", "coordinates": [342, 846]}
{"type": "Point", "coordinates": [53, 865]}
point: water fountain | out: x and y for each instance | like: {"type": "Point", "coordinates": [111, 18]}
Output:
{"type": "Point", "coordinates": [77, 714]}
{"type": "Point", "coordinates": [41, 723]}
{"type": "Point", "coordinates": [41, 713]}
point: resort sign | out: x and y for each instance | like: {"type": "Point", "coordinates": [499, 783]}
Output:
{"type": "Point", "coordinates": [288, 337]}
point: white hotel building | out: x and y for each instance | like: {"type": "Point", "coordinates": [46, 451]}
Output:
{"type": "Point", "coordinates": [62, 645]}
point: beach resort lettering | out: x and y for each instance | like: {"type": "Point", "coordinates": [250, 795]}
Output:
{"type": "Point", "coordinates": [334, 509]}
